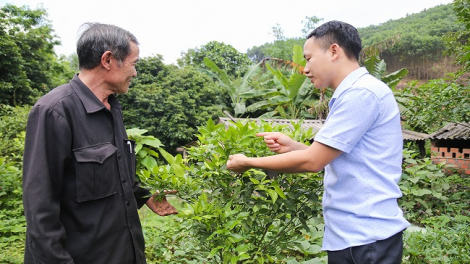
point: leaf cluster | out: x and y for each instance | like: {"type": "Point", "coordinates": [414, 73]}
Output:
{"type": "Point", "coordinates": [430, 196]}
{"type": "Point", "coordinates": [458, 42]}
{"type": "Point", "coordinates": [252, 217]}
{"type": "Point", "coordinates": [171, 102]}
{"type": "Point", "coordinates": [225, 56]}
{"type": "Point", "coordinates": [437, 245]}
{"type": "Point", "coordinates": [28, 65]}
{"type": "Point", "coordinates": [428, 107]}
{"type": "Point", "coordinates": [420, 33]}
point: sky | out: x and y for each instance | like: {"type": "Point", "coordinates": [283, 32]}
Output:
{"type": "Point", "coordinates": [169, 27]}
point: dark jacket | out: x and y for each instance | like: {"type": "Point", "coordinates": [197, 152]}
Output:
{"type": "Point", "coordinates": [79, 191]}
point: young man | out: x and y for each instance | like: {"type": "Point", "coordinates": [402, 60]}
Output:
{"type": "Point", "coordinates": [79, 190]}
{"type": "Point", "coordinates": [360, 147]}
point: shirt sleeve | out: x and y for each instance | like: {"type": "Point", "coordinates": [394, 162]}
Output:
{"type": "Point", "coordinates": [47, 152]}
{"type": "Point", "coordinates": [351, 116]}
{"type": "Point", "coordinates": [141, 195]}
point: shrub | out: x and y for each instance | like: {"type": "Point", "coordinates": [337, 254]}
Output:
{"type": "Point", "coordinates": [251, 217]}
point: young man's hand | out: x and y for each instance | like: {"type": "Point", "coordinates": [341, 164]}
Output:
{"type": "Point", "coordinates": [237, 163]}
{"type": "Point", "coordinates": [280, 143]}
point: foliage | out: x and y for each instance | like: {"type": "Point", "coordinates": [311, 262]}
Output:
{"type": "Point", "coordinates": [223, 55]}
{"type": "Point", "coordinates": [437, 245]}
{"type": "Point", "coordinates": [310, 24]}
{"type": "Point", "coordinates": [281, 49]}
{"type": "Point", "coordinates": [458, 42]}
{"type": "Point", "coordinates": [238, 92]}
{"type": "Point", "coordinates": [156, 168]}
{"type": "Point", "coordinates": [377, 48]}
{"type": "Point", "coordinates": [167, 239]}
{"type": "Point", "coordinates": [378, 67]}
{"type": "Point", "coordinates": [150, 70]}
{"type": "Point", "coordinates": [432, 105]}
{"type": "Point", "coordinates": [249, 217]}
{"type": "Point", "coordinates": [430, 196]}
{"type": "Point", "coordinates": [439, 202]}
{"type": "Point", "coordinates": [294, 93]}
{"type": "Point", "coordinates": [12, 131]}
{"type": "Point", "coordinates": [171, 102]}
{"type": "Point", "coordinates": [28, 64]}
{"type": "Point", "coordinates": [12, 220]}
{"type": "Point", "coordinates": [420, 34]}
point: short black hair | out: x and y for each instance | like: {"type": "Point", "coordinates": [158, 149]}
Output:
{"type": "Point", "coordinates": [341, 33]}
{"type": "Point", "coordinates": [98, 38]}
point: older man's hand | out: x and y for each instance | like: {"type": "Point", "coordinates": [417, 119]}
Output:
{"type": "Point", "coordinates": [161, 207]}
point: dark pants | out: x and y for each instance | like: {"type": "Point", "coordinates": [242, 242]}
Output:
{"type": "Point", "coordinates": [387, 251]}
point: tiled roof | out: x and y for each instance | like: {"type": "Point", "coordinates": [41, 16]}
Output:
{"type": "Point", "coordinates": [316, 125]}
{"type": "Point", "coordinates": [459, 131]}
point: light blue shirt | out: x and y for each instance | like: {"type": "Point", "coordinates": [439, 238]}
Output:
{"type": "Point", "coordinates": [361, 191]}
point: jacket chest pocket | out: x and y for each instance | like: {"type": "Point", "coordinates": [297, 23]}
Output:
{"type": "Point", "coordinates": [96, 171]}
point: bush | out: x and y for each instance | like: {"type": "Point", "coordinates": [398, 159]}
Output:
{"type": "Point", "coordinates": [437, 245]}
{"type": "Point", "coordinates": [251, 217]}
{"type": "Point", "coordinates": [12, 220]}
{"type": "Point", "coordinates": [438, 203]}
{"type": "Point", "coordinates": [12, 131]}
{"type": "Point", "coordinates": [432, 105]}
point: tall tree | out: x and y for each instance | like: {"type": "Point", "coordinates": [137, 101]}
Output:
{"type": "Point", "coordinates": [223, 55]}
{"type": "Point", "coordinates": [28, 64]}
{"type": "Point", "coordinates": [310, 24]}
{"type": "Point", "coordinates": [171, 102]}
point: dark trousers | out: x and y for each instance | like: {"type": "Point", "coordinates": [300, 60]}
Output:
{"type": "Point", "coordinates": [387, 251]}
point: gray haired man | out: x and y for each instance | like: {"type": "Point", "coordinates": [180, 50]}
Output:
{"type": "Point", "coordinates": [80, 193]}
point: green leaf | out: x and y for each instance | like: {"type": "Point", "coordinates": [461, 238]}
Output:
{"type": "Point", "coordinates": [214, 251]}
{"type": "Point", "coordinates": [422, 192]}
{"type": "Point", "coordinates": [462, 218]}
{"type": "Point", "coordinates": [273, 195]}
{"type": "Point", "coordinates": [231, 224]}
{"type": "Point", "coordinates": [239, 108]}
{"type": "Point", "coordinates": [178, 170]}
{"type": "Point", "coordinates": [242, 248]}
{"type": "Point", "coordinates": [243, 256]}
{"type": "Point", "coordinates": [255, 181]}
{"type": "Point", "coordinates": [167, 156]}
{"type": "Point", "coordinates": [280, 192]}
{"type": "Point", "coordinates": [414, 179]}
{"type": "Point", "coordinates": [133, 132]}
{"type": "Point", "coordinates": [151, 141]}
{"type": "Point", "coordinates": [236, 237]}
{"type": "Point", "coordinates": [149, 162]}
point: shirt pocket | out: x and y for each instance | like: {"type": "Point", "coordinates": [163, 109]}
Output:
{"type": "Point", "coordinates": [96, 171]}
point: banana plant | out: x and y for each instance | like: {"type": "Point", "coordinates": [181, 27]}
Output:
{"type": "Point", "coordinates": [293, 94]}
{"type": "Point", "coordinates": [238, 93]}
{"type": "Point", "coordinates": [378, 67]}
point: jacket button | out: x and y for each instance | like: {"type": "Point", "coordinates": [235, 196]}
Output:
{"type": "Point", "coordinates": [119, 156]}
{"type": "Point", "coordinates": [123, 180]}
{"type": "Point", "coordinates": [128, 203]}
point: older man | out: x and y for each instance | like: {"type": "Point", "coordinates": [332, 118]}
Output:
{"type": "Point", "coordinates": [80, 193]}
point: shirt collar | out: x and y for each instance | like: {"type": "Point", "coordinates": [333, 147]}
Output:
{"type": "Point", "coordinates": [349, 81]}
{"type": "Point", "coordinates": [89, 100]}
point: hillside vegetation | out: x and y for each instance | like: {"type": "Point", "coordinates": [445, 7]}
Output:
{"type": "Point", "coordinates": [421, 46]}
